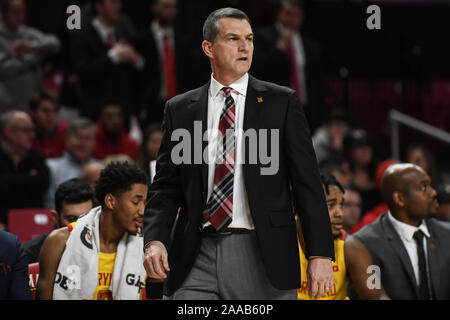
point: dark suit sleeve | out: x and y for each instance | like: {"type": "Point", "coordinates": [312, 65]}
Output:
{"type": "Point", "coordinates": [19, 288]}
{"type": "Point", "coordinates": [309, 198]}
{"type": "Point", "coordinates": [165, 194]}
{"type": "Point", "coordinates": [270, 63]}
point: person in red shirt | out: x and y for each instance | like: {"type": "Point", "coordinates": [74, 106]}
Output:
{"type": "Point", "coordinates": [50, 138]}
{"type": "Point", "coordinates": [112, 138]}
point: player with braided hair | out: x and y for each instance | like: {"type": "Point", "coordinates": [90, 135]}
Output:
{"type": "Point", "coordinates": [352, 257]}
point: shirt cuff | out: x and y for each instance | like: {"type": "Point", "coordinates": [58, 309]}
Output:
{"type": "Point", "coordinates": [113, 56]}
{"type": "Point", "coordinates": [312, 257]}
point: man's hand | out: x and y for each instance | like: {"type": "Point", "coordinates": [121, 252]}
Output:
{"type": "Point", "coordinates": [285, 38]}
{"type": "Point", "coordinates": [155, 262]}
{"type": "Point", "coordinates": [320, 276]}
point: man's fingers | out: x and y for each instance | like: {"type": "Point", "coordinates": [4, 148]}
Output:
{"type": "Point", "coordinates": [165, 262]}
{"type": "Point", "coordinates": [148, 265]}
{"type": "Point", "coordinates": [313, 287]}
{"type": "Point", "coordinates": [158, 266]}
{"type": "Point", "coordinates": [321, 292]}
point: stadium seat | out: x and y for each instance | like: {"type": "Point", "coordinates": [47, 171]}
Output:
{"type": "Point", "coordinates": [33, 274]}
{"type": "Point", "coordinates": [29, 223]}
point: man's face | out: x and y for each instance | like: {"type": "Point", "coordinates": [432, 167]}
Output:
{"type": "Point", "coordinates": [361, 155]}
{"type": "Point", "coordinates": [291, 16]}
{"type": "Point", "coordinates": [19, 135]}
{"type": "Point", "coordinates": [352, 208]}
{"type": "Point", "coordinates": [110, 10]}
{"type": "Point", "coordinates": [112, 120]}
{"type": "Point", "coordinates": [232, 50]}
{"type": "Point", "coordinates": [70, 212]}
{"type": "Point", "coordinates": [14, 15]}
{"type": "Point", "coordinates": [129, 208]}
{"type": "Point", "coordinates": [153, 144]}
{"type": "Point", "coordinates": [46, 116]}
{"type": "Point", "coordinates": [419, 196]}
{"type": "Point", "coordinates": [417, 157]}
{"type": "Point", "coordinates": [166, 11]}
{"type": "Point", "coordinates": [81, 144]}
{"type": "Point", "coordinates": [335, 202]}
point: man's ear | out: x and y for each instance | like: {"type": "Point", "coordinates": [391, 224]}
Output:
{"type": "Point", "coordinates": [110, 201]}
{"type": "Point", "coordinates": [207, 49]}
{"type": "Point", "coordinates": [54, 215]}
{"type": "Point", "coordinates": [398, 199]}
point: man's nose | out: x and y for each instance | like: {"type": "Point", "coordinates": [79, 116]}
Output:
{"type": "Point", "coordinates": [433, 192]}
{"type": "Point", "coordinates": [244, 45]}
{"type": "Point", "coordinates": [338, 212]}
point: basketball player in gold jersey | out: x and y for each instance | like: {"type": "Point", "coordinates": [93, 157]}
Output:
{"type": "Point", "coordinates": [352, 257]}
{"type": "Point", "coordinates": [122, 192]}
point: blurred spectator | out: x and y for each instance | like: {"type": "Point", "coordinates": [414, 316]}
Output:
{"type": "Point", "coordinates": [50, 140]}
{"type": "Point", "coordinates": [382, 207]}
{"type": "Point", "coordinates": [112, 137]}
{"type": "Point", "coordinates": [149, 147]}
{"type": "Point", "coordinates": [22, 49]}
{"type": "Point", "coordinates": [351, 208]}
{"type": "Point", "coordinates": [443, 197]}
{"type": "Point", "coordinates": [166, 52]}
{"type": "Point", "coordinates": [80, 142]}
{"type": "Point", "coordinates": [420, 155]}
{"type": "Point", "coordinates": [72, 198]}
{"type": "Point", "coordinates": [285, 56]}
{"type": "Point", "coordinates": [339, 167]}
{"type": "Point", "coordinates": [105, 61]}
{"type": "Point", "coordinates": [408, 245]}
{"type": "Point", "coordinates": [328, 140]}
{"type": "Point", "coordinates": [24, 175]}
{"type": "Point", "coordinates": [91, 173]}
{"type": "Point", "coordinates": [13, 269]}
{"type": "Point", "coordinates": [358, 150]}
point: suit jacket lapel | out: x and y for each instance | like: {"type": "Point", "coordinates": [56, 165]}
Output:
{"type": "Point", "coordinates": [433, 247]}
{"type": "Point", "coordinates": [397, 244]}
{"type": "Point", "coordinates": [255, 90]}
{"type": "Point", "coordinates": [199, 107]}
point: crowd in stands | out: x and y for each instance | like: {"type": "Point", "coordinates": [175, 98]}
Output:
{"type": "Point", "coordinates": [56, 136]}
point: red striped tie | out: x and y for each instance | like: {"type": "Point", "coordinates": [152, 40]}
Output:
{"type": "Point", "coordinates": [219, 208]}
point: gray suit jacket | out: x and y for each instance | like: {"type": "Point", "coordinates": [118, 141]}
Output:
{"type": "Point", "coordinates": [389, 253]}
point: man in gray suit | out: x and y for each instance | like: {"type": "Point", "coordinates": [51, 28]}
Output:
{"type": "Point", "coordinates": [410, 247]}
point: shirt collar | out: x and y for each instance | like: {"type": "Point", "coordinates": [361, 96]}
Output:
{"type": "Point", "coordinates": [239, 86]}
{"type": "Point", "coordinates": [405, 230]}
{"type": "Point", "coordinates": [159, 32]}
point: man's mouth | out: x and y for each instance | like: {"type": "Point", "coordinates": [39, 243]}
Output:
{"type": "Point", "coordinates": [243, 59]}
{"type": "Point", "coordinates": [139, 222]}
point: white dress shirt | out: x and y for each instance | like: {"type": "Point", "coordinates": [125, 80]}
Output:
{"type": "Point", "coordinates": [406, 233]}
{"type": "Point", "coordinates": [158, 34]}
{"type": "Point", "coordinates": [300, 58]}
{"type": "Point", "coordinates": [216, 101]}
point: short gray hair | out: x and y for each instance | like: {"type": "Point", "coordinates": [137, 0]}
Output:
{"type": "Point", "coordinates": [210, 29]}
{"type": "Point", "coordinates": [77, 124]}
{"type": "Point", "coordinates": [7, 118]}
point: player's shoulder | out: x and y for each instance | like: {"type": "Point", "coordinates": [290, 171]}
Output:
{"type": "Point", "coordinates": [59, 236]}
